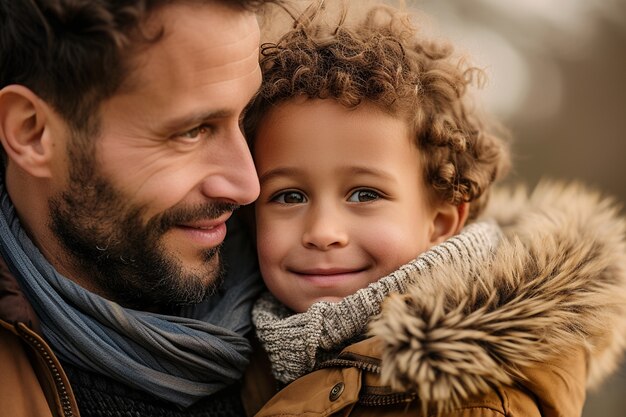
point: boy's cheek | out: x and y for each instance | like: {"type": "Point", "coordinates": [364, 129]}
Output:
{"type": "Point", "coordinates": [272, 243]}
{"type": "Point", "coordinates": [393, 244]}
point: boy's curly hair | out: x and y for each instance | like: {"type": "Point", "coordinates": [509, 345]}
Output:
{"type": "Point", "coordinates": [382, 60]}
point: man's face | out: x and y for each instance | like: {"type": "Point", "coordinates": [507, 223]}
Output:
{"type": "Point", "coordinates": [143, 215]}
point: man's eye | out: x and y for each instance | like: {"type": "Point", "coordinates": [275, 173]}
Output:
{"type": "Point", "coordinates": [196, 132]}
{"type": "Point", "coordinates": [363, 196]}
{"type": "Point", "coordinates": [290, 197]}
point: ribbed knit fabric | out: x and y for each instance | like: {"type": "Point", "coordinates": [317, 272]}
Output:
{"type": "Point", "coordinates": [296, 342]}
{"type": "Point", "coordinates": [99, 396]}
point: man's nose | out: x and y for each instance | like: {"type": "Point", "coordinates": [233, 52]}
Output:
{"type": "Point", "coordinates": [235, 179]}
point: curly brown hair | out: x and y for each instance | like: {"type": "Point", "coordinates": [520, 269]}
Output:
{"type": "Point", "coordinates": [381, 59]}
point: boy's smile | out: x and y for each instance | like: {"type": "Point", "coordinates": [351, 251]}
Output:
{"type": "Point", "coordinates": [343, 201]}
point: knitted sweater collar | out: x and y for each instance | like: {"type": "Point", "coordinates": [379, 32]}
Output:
{"type": "Point", "coordinates": [295, 343]}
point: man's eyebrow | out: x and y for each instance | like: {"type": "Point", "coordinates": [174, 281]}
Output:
{"type": "Point", "coordinates": [192, 120]}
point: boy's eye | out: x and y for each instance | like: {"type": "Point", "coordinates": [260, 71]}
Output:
{"type": "Point", "coordinates": [290, 197]}
{"type": "Point", "coordinates": [363, 196]}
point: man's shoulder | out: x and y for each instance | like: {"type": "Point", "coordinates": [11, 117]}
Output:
{"type": "Point", "coordinates": [20, 391]}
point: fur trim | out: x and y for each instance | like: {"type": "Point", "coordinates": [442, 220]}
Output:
{"type": "Point", "coordinates": [557, 283]}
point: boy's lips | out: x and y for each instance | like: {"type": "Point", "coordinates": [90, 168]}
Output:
{"type": "Point", "coordinates": [328, 277]}
{"type": "Point", "coordinates": [327, 271]}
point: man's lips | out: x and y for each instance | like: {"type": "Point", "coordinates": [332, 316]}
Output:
{"type": "Point", "coordinates": [206, 233]}
{"type": "Point", "coordinates": [207, 224]}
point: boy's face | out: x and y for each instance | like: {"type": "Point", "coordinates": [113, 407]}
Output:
{"type": "Point", "coordinates": [343, 201]}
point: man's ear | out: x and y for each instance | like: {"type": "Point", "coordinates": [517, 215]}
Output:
{"type": "Point", "coordinates": [448, 221]}
{"type": "Point", "coordinates": [23, 121]}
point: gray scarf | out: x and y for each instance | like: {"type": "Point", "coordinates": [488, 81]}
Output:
{"type": "Point", "coordinates": [177, 358]}
{"type": "Point", "coordinates": [295, 343]}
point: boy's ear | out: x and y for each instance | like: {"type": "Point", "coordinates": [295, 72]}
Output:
{"type": "Point", "coordinates": [23, 121]}
{"type": "Point", "coordinates": [448, 221]}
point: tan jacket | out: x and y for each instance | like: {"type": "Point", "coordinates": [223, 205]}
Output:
{"type": "Point", "coordinates": [32, 382]}
{"type": "Point", "coordinates": [524, 335]}
{"type": "Point", "coordinates": [351, 385]}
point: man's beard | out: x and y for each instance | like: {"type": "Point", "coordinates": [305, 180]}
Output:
{"type": "Point", "coordinates": [123, 257]}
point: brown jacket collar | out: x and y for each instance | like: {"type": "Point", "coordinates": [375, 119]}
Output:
{"type": "Point", "coordinates": [14, 307]}
{"type": "Point", "coordinates": [556, 288]}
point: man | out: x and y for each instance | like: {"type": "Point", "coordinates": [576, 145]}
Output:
{"type": "Point", "coordinates": [123, 160]}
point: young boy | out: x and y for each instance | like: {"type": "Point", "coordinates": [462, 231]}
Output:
{"type": "Point", "coordinates": [369, 155]}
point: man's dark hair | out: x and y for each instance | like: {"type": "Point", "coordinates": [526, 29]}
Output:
{"type": "Point", "coordinates": [74, 53]}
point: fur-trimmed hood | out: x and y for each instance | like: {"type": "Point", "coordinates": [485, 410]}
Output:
{"type": "Point", "coordinates": [557, 284]}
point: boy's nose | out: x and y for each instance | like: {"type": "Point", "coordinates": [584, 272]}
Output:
{"type": "Point", "coordinates": [325, 231]}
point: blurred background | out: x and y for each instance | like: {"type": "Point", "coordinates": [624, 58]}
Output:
{"type": "Point", "coordinates": [556, 78]}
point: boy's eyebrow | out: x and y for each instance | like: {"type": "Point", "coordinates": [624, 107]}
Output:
{"type": "Point", "coordinates": [278, 172]}
{"type": "Point", "coordinates": [351, 170]}
{"type": "Point", "coordinates": [354, 170]}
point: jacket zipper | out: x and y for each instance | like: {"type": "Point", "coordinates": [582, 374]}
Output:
{"type": "Point", "coordinates": [381, 400]}
{"type": "Point", "coordinates": [52, 367]}
{"type": "Point", "coordinates": [365, 398]}
{"type": "Point", "coordinates": [348, 363]}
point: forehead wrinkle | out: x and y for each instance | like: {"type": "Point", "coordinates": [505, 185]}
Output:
{"type": "Point", "coordinates": [226, 49]}
{"type": "Point", "coordinates": [242, 64]}
{"type": "Point", "coordinates": [250, 60]}
{"type": "Point", "coordinates": [238, 53]}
